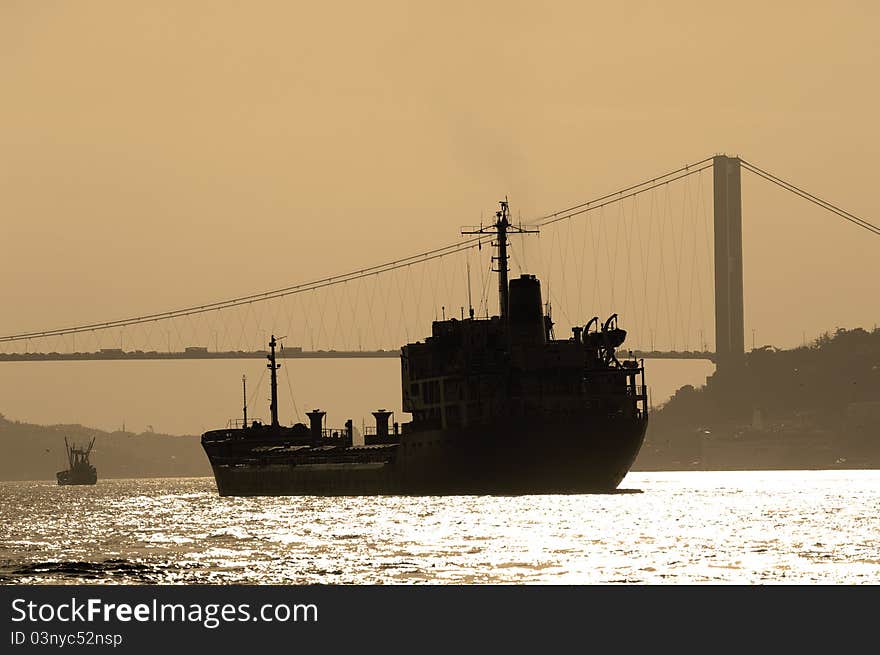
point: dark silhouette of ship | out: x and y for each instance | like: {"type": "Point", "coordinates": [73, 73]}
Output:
{"type": "Point", "coordinates": [499, 406]}
{"type": "Point", "coordinates": [80, 470]}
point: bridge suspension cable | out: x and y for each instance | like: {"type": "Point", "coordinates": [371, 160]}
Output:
{"type": "Point", "coordinates": [824, 204]}
{"type": "Point", "coordinates": [460, 246]}
{"type": "Point", "coordinates": [267, 295]}
{"type": "Point", "coordinates": [628, 192]}
{"type": "Point", "coordinates": [419, 258]}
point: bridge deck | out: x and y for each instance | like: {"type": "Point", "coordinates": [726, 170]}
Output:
{"type": "Point", "coordinates": [284, 354]}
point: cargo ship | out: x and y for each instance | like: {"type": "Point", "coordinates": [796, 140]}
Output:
{"type": "Point", "coordinates": [498, 405]}
{"type": "Point", "coordinates": [79, 469]}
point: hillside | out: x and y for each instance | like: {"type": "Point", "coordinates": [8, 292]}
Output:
{"type": "Point", "coordinates": [816, 406]}
{"type": "Point", "coordinates": [36, 452]}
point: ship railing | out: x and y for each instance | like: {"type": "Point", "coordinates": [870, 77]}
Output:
{"type": "Point", "coordinates": [371, 431]}
{"type": "Point", "coordinates": [239, 423]}
{"type": "Point", "coordinates": [333, 433]}
{"type": "Point", "coordinates": [357, 456]}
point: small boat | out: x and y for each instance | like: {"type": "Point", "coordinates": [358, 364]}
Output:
{"type": "Point", "coordinates": [80, 470]}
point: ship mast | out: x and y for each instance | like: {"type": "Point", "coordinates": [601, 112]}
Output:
{"type": "Point", "coordinates": [502, 227]}
{"type": "Point", "coordinates": [273, 367]}
{"type": "Point", "coordinates": [244, 398]}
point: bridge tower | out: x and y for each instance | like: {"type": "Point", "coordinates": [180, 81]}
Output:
{"type": "Point", "coordinates": [729, 333]}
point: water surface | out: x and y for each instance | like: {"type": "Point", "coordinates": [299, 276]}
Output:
{"type": "Point", "coordinates": [685, 527]}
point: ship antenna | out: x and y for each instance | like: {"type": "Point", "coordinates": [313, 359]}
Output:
{"type": "Point", "coordinates": [273, 367]}
{"type": "Point", "coordinates": [502, 227]}
{"type": "Point", "coordinates": [244, 398]}
{"type": "Point", "coordinates": [470, 302]}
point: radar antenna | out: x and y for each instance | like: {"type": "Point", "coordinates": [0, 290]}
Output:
{"type": "Point", "coordinates": [502, 227]}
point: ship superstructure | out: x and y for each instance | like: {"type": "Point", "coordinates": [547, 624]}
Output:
{"type": "Point", "coordinates": [498, 405]}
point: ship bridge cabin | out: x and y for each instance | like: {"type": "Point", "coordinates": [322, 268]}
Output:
{"type": "Point", "coordinates": [472, 371]}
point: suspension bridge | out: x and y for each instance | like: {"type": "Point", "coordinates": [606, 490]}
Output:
{"type": "Point", "coordinates": [665, 254]}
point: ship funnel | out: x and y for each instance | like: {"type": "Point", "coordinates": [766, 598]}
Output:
{"type": "Point", "coordinates": [526, 311]}
{"type": "Point", "coordinates": [316, 421]}
{"type": "Point", "coordinates": [381, 422]}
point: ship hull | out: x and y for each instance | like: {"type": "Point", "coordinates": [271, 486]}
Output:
{"type": "Point", "coordinates": [517, 456]}
{"type": "Point", "coordinates": [76, 477]}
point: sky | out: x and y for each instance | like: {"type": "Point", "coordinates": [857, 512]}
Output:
{"type": "Point", "coordinates": [164, 154]}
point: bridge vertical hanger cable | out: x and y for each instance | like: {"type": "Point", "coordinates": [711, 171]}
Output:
{"type": "Point", "coordinates": [256, 389]}
{"type": "Point", "coordinates": [364, 322]}
{"type": "Point", "coordinates": [402, 291]}
{"type": "Point", "coordinates": [678, 221]}
{"type": "Point", "coordinates": [710, 264]}
{"type": "Point", "coordinates": [419, 290]}
{"type": "Point", "coordinates": [628, 291]}
{"type": "Point", "coordinates": [566, 254]}
{"type": "Point", "coordinates": [677, 253]}
{"type": "Point", "coordinates": [403, 302]}
{"type": "Point", "coordinates": [301, 301]}
{"type": "Point", "coordinates": [645, 257]}
{"type": "Point", "coordinates": [374, 319]}
{"type": "Point", "coordinates": [373, 284]}
{"type": "Point", "coordinates": [685, 326]}
{"type": "Point", "coordinates": [387, 335]}
{"type": "Point", "coordinates": [663, 275]}
{"type": "Point", "coordinates": [677, 227]}
{"type": "Point", "coordinates": [594, 222]}
{"type": "Point", "coordinates": [292, 326]}
{"type": "Point", "coordinates": [323, 331]}
{"type": "Point", "coordinates": [256, 312]}
{"type": "Point", "coordinates": [634, 273]}
{"type": "Point", "coordinates": [290, 389]}
{"type": "Point", "coordinates": [441, 286]}
{"type": "Point", "coordinates": [580, 266]}
{"type": "Point", "coordinates": [384, 291]}
{"type": "Point", "coordinates": [337, 297]}
{"type": "Point", "coordinates": [621, 206]}
{"type": "Point", "coordinates": [616, 220]}
{"type": "Point", "coordinates": [693, 273]}
{"type": "Point", "coordinates": [562, 307]}
{"type": "Point", "coordinates": [239, 318]}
